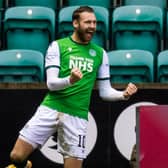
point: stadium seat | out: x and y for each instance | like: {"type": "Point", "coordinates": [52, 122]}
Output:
{"type": "Point", "coordinates": [54, 4]}
{"type": "Point", "coordinates": [159, 3]}
{"type": "Point", "coordinates": [29, 27]}
{"type": "Point", "coordinates": [137, 27]}
{"type": "Point", "coordinates": [162, 67]}
{"type": "Point", "coordinates": [163, 4]}
{"type": "Point", "coordinates": [21, 66]}
{"type": "Point", "coordinates": [101, 36]}
{"type": "Point", "coordinates": [105, 3]}
{"type": "Point", "coordinates": [131, 66]}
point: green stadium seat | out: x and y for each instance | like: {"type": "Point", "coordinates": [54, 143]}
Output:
{"type": "Point", "coordinates": [21, 66]}
{"type": "Point", "coordinates": [54, 4]}
{"type": "Point", "coordinates": [163, 4]}
{"type": "Point", "coordinates": [101, 36]}
{"type": "Point", "coordinates": [131, 66]}
{"type": "Point", "coordinates": [137, 27]}
{"type": "Point", "coordinates": [29, 27]}
{"type": "Point", "coordinates": [162, 67]}
{"type": "Point", "coordinates": [105, 3]}
{"type": "Point", "coordinates": [159, 3]}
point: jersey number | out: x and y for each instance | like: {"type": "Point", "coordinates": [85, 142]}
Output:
{"type": "Point", "coordinates": [82, 139]}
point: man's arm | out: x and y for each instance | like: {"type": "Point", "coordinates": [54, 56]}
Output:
{"type": "Point", "coordinates": [56, 83]}
{"type": "Point", "coordinates": [52, 65]}
{"type": "Point", "coordinates": [106, 91]}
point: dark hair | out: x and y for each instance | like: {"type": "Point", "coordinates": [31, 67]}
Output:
{"type": "Point", "coordinates": [76, 13]}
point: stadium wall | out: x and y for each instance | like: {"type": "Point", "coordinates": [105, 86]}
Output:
{"type": "Point", "coordinates": [111, 124]}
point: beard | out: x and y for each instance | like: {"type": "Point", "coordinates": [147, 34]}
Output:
{"type": "Point", "coordinates": [85, 36]}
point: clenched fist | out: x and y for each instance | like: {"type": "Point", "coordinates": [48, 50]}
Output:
{"type": "Point", "coordinates": [75, 76]}
{"type": "Point", "coordinates": [130, 90]}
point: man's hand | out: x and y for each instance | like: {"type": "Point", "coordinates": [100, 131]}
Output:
{"type": "Point", "coordinates": [75, 76]}
{"type": "Point", "coordinates": [130, 90]}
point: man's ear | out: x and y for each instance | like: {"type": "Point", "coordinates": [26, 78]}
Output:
{"type": "Point", "coordinates": [75, 24]}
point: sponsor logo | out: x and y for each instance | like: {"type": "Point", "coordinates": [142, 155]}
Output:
{"type": "Point", "coordinates": [92, 52]}
{"type": "Point", "coordinates": [84, 64]}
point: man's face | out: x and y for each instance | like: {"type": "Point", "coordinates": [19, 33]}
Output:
{"type": "Point", "coordinates": [85, 26]}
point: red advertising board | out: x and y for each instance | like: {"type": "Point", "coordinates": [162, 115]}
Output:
{"type": "Point", "coordinates": [152, 136]}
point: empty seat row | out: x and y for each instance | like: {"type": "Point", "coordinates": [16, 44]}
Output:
{"type": "Point", "coordinates": [160, 3]}
{"type": "Point", "coordinates": [129, 24]}
{"type": "Point", "coordinates": [31, 27]}
{"type": "Point", "coordinates": [138, 66]}
{"type": "Point", "coordinates": [53, 4]}
{"type": "Point", "coordinates": [27, 66]}
{"type": "Point", "coordinates": [57, 4]}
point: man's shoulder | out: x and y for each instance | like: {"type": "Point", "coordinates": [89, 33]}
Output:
{"type": "Point", "coordinates": [62, 39]}
{"type": "Point", "coordinates": [94, 45]}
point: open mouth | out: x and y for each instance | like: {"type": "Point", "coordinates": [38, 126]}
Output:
{"type": "Point", "coordinates": [89, 34]}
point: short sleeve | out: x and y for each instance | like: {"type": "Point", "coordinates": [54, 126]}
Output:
{"type": "Point", "coordinates": [52, 57]}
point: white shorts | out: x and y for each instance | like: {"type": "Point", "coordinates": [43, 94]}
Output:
{"type": "Point", "coordinates": [71, 131]}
